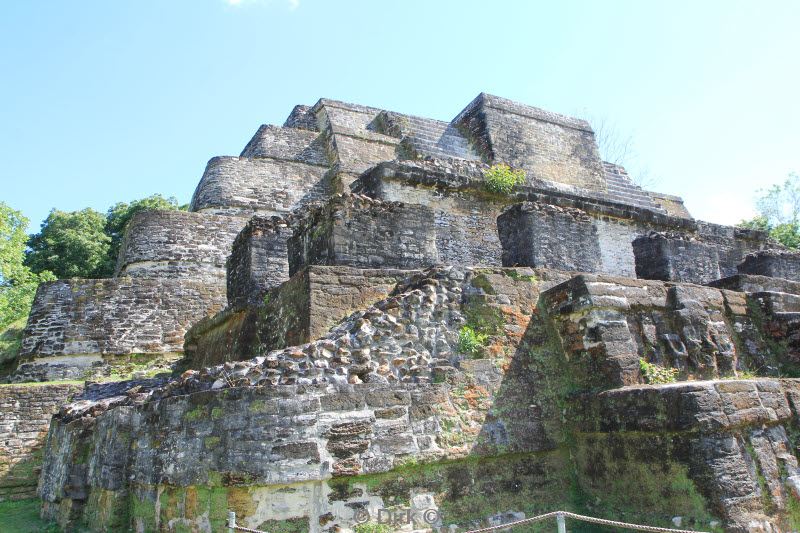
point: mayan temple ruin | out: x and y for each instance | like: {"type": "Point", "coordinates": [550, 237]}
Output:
{"type": "Point", "coordinates": [353, 319]}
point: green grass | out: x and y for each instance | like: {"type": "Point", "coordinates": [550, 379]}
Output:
{"type": "Point", "coordinates": [10, 339]}
{"type": "Point", "coordinates": [44, 383]}
{"type": "Point", "coordinates": [23, 517]}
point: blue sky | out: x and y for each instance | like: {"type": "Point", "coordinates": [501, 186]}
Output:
{"type": "Point", "coordinates": [106, 101]}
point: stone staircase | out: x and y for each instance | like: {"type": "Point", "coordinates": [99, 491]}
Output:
{"type": "Point", "coordinates": [428, 137]}
{"type": "Point", "coordinates": [622, 189]}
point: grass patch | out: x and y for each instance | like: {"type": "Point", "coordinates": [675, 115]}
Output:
{"type": "Point", "coordinates": [45, 383]}
{"type": "Point", "coordinates": [10, 341]}
{"type": "Point", "coordinates": [23, 517]}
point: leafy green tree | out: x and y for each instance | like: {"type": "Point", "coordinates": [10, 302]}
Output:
{"type": "Point", "coordinates": [779, 212]}
{"type": "Point", "coordinates": [121, 213]}
{"type": "Point", "coordinates": [17, 283]}
{"type": "Point", "coordinates": [71, 244]}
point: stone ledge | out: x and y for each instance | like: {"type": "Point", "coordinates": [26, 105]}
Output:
{"type": "Point", "coordinates": [699, 406]}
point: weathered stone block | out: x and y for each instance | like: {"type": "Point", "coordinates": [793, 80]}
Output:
{"type": "Point", "coordinates": [290, 144]}
{"type": "Point", "coordinates": [259, 260]}
{"type": "Point", "coordinates": [772, 263]}
{"type": "Point", "coordinates": [675, 258]}
{"type": "Point", "coordinates": [548, 146]}
{"type": "Point", "coordinates": [545, 236]}
{"type": "Point", "coordinates": [362, 232]}
{"type": "Point", "coordinates": [25, 412]}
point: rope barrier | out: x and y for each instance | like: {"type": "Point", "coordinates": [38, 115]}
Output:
{"type": "Point", "coordinates": [231, 524]}
{"type": "Point", "coordinates": [591, 519]}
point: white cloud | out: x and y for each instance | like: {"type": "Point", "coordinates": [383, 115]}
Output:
{"type": "Point", "coordinates": [294, 4]}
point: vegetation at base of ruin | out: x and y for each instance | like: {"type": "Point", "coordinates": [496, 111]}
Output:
{"type": "Point", "coordinates": [10, 340]}
{"type": "Point", "coordinates": [45, 383]}
{"type": "Point", "coordinates": [85, 244]}
{"type": "Point", "coordinates": [470, 342]}
{"type": "Point", "coordinates": [779, 212]}
{"type": "Point", "coordinates": [23, 516]}
{"type": "Point", "coordinates": [501, 178]}
{"type": "Point", "coordinates": [637, 480]}
{"type": "Point", "coordinates": [371, 527]}
{"type": "Point", "coordinates": [516, 276]}
{"type": "Point", "coordinates": [657, 375]}
{"type": "Point", "coordinates": [793, 514]}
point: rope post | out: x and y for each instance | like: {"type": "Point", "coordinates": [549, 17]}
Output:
{"type": "Point", "coordinates": [231, 521]}
{"type": "Point", "coordinates": [562, 525]}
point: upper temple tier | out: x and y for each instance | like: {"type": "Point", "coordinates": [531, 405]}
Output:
{"type": "Point", "coordinates": [421, 199]}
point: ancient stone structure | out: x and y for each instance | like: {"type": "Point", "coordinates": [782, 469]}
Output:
{"type": "Point", "coordinates": [366, 326]}
{"type": "Point", "coordinates": [25, 412]}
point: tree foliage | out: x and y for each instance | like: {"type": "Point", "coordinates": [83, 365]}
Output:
{"type": "Point", "coordinates": [779, 212]}
{"type": "Point", "coordinates": [71, 245]}
{"type": "Point", "coordinates": [85, 244]}
{"type": "Point", "coordinates": [17, 282]}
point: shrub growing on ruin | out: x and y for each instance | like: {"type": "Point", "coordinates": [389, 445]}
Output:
{"type": "Point", "coordinates": [656, 375]}
{"type": "Point", "coordinates": [470, 342]}
{"type": "Point", "coordinates": [501, 178]}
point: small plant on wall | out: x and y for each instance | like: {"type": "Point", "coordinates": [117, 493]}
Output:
{"type": "Point", "coordinates": [501, 178]}
{"type": "Point", "coordinates": [655, 374]}
{"type": "Point", "coordinates": [470, 342]}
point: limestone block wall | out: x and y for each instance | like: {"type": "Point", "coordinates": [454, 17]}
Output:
{"type": "Point", "coordinates": [731, 439]}
{"type": "Point", "coordinates": [359, 231]}
{"type": "Point", "coordinates": [302, 118]}
{"type": "Point", "coordinates": [245, 187]}
{"type": "Point", "coordinates": [25, 412]}
{"type": "Point", "coordinates": [259, 259]}
{"type": "Point", "coordinates": [676, 258]}
{"type": "Point", "coordinates": [712, 252]}
{"type": "Point", "coordinates": [540, 235]}
{"type": "Point", "coordinates": [702, 332]}
{"type": "Point", "coordinates": [177, 244]}
{"type": "Point", "coordinates": [732, 244]}
{"type": "Point", "coordinates": [116, 316]}
{"type": "Point", "coordinates": [753, 283]}
{"type": "Point", "coordinates": [466, 215]}
{"type": "Point", "coordinates": [291, 144]}
{"type": "Point", "coordinates": [548, 146]}
{"type": "Point", "coordinates": [465, 222]}
{"type": "Point", "coordinates": [773, 263]}
{"type": "Point", "coordinates": [352, 135]}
